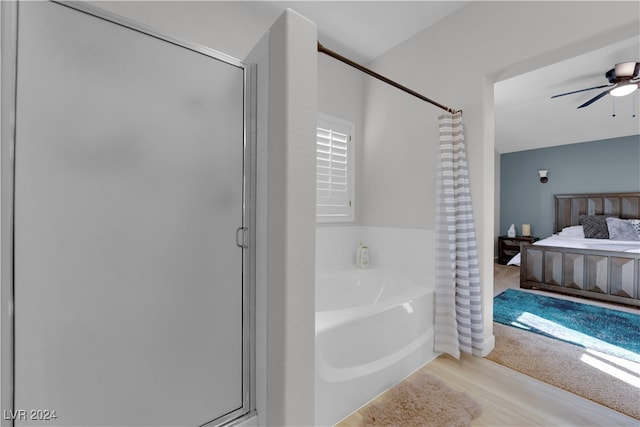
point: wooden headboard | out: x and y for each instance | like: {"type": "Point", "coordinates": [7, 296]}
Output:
{"type": "Point", "coordinates": [569, 207]}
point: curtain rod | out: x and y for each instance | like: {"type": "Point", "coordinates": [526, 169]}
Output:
{"type": "Point", "coordinates": [372, 73]}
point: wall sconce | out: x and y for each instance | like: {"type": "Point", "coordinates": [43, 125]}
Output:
{"type": "Point", "coordinates": [543, 176]}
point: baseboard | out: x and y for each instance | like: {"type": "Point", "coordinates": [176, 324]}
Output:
{"type": "Point", "coordinates": [489, 345]}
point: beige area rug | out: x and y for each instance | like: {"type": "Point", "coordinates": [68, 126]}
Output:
{"type": "Point", "coordinates": [570, 367]}
{"type": "Point", "coordinates": [421, 400]}
{"type": "Point", "coordinates": [564, 365]}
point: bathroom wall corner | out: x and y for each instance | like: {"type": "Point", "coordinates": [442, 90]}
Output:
{"type": "Point", "coordinates": [290, 296]}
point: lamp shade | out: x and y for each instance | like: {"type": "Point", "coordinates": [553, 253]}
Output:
{"type": "Point", "coordinates": [543, 175]}
{"type": "Point", "coordinates": [625, 69]}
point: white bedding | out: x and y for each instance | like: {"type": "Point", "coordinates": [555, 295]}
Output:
{"type": "Point", "coordinates": [583, 243]}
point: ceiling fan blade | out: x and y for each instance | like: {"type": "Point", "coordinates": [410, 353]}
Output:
{"type": "Point", "coordinates": [594, 99]}
{"type": "Point", "coordinates": [581, 90]}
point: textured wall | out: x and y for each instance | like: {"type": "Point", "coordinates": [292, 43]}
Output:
{"type": "Point", "coordinates": [291, 218]}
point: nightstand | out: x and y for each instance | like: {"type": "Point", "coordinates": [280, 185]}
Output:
{"type": "Point", "coordinates": [508, 247]}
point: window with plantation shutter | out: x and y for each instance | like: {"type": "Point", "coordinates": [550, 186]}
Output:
{"type": "Point", "coordinates": [334, 170]}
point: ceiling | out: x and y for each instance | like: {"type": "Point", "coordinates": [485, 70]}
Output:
{"type": "Point", "coordinates": [363, 30]}
{"type": "Point", "coordinates": [526, 116]}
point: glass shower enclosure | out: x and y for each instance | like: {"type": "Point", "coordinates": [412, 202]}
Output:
{"type": "Point", "coordinates": [131, 186]}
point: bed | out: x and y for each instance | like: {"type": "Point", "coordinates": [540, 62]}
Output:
{"type": "Point", "coordinates": [599, 269]}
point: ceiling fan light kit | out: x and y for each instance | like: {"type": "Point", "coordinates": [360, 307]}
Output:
{"type": "Point", "coordinates": [623, 89]}
{"type": "Point", "coordinates": [623, 78]}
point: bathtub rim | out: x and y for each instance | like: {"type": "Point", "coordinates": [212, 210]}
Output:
{"type": "Point", "coordinates": [330, 319]}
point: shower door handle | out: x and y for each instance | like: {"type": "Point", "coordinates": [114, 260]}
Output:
{"type": "Point", "coordinates": [240, 237]}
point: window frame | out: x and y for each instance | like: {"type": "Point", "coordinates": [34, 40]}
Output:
{"type": "Point", "coordinates": [345, 212]}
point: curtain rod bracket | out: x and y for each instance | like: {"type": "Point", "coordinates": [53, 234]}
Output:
{"type": "Point", "coordinates": [372, 73]}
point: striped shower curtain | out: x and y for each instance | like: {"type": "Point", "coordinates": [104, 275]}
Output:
{"type": "Point", "coordinates": [458, 320]}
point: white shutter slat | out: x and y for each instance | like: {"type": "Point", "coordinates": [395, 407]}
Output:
{"type": "Point", "coordinates": [333, 160]}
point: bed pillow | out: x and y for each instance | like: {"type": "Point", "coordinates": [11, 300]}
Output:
{"type": "Point", "coordinates": [595, 226]}
{"type": "Point", "coordinates": [621, 229]}
{"type": "Point", "coordinates": [636, 225]}
{"type": "Point", "coordinates": [573, 231]}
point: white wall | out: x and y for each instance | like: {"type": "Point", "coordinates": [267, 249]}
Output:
{"type": "Point", "coordinates": [340, 94]}
{"type": "Point", "coordinates": [496, 205]}
{"type": "Point", "coordinates": [291, 214]}
{"type": "Point", "coordinates": [406, 251]}
{"type": "Point", "coordinates": [455, 62]}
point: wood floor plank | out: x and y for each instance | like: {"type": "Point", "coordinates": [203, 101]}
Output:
{"type": "Point", "coordinates": [510, 398]}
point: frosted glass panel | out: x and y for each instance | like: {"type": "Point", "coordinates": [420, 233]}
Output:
{"type": "Point", "coordinates": [129, 173]}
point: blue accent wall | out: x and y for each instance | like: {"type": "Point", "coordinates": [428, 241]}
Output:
{"type": "Point", "coordinates": [611, 165]}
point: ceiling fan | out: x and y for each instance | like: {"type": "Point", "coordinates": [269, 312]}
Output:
{"type": "Point", "coordinates": [623, 80]}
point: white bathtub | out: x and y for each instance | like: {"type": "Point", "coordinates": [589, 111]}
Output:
{"type": "Point", "coordinates": [373, 328]}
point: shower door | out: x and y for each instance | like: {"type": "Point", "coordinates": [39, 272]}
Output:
{"type": "Point", "coordinates": [129, 279]}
